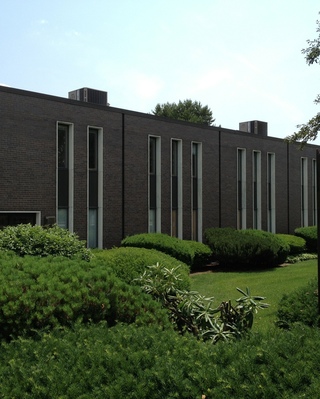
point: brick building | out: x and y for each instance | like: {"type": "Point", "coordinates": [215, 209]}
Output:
{"type": "Point", "coordinates": [106, 173]}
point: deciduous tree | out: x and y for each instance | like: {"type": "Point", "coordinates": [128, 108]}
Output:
{"type": "Point", "coordinates": [187, 110]}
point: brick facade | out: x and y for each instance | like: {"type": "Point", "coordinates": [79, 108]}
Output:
{"type": "Point", "coordinates": [29, 172]}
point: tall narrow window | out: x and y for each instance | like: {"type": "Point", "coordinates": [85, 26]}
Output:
{"type": "Point", "coordinates": [154, 185]}
{"type": "Point", "coordinates": [271, 196]}
{"type": "Point", "coordinates": [256, 189]}
{"type": "Point", "coordinates": [65, 175]}
{"type": "Point", "coordinates": [314, 193]}
{"type": "Point", "coordinates": [304, 192]}
{"type": "Point", "coordinates": [176, 188]}
{"type": "Point", "coordinates": [95, 200]}
{"type": "Point", "coordinates": [196, 186]}
{"type": "Point", "coordinates": [241, 189]}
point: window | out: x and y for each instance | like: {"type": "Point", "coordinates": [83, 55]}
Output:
{"type": "Point", "coordinates": [95, 181]}
{"type": "Point", "coordinates": [241, 189]}
{"type": "Point", "coordinates": [176, 188]}
{"type": "Point", "coordinates": [304, 192]}
{"type": "Point", "coordinates": [314, 193]}
{"type": "Point", "coordinates": [65, 175]}
{"type": "Point", "coordinates": [154, 185]}
{"type": "Point", "coordinates": [256, 189]}
{"type": "Point", "coordinates": [271, 197]}
{"type": "Point", "coordinates": [196, 187]}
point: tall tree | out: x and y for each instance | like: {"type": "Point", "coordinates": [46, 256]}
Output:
{"type": "Point", "coordinates": [310, 130]}
{"type": "Point", "coordinates": [187, 110]}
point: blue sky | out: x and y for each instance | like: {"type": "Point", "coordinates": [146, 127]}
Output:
{"type": "Point", "coordinates": [241, 58]}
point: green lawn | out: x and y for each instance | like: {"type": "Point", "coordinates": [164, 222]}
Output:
{"type": "Point", "coordinates": [271, 284]}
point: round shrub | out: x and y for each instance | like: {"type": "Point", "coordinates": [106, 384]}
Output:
{"type": "Point", "coordinates": [310, 235]}
{"type": "Point", "coordinates": [190, 252]}
{"type": "Point", "coordinates": [37, 293]}
{"type": "Point", "coordinates": [130, 263]}
{"type": "Point", "coordinates": [243, 249]}
{"type": "Point", "coordinates": [26, 239]}
{"type": "Point", "coordinates": [297, 245]}
{"type": "Point", "coordinates": [300, 306]}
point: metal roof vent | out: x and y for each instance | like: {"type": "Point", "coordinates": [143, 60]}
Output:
{"type": "Point", "coordinates": [90, 96]}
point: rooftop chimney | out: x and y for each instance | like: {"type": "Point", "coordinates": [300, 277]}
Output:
{"type": "Point", "coordinates": [255, 127]}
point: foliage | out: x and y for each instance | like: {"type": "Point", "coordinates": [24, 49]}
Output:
{"type": "Point", "coordinates": [193, 253]}
{"type": "Point", "coordinates": [297, 245]}
{"type": "Point", "coordinates": [187, 110]}
{"type": "Point", "coordinates": [26, 239]}
{"type": "Point", "coordinates": [310, 235]}
{"type": "Point", "coordinates": [41, 293]}
{"type": "Point", "coordinates": [193, 313]}
{"type": "Point", "coordinates": [243, 249]}
{"type": "Point", "coordinates": [300, 306]}
{"type": "Point", "coordinates": [310, 130]}
{"type": "Point", "coordinates": [128, 263]}
{"type": "Point", "coordinates": [301, 257]}
{"type": "Point", "coordinates": [127, 362]}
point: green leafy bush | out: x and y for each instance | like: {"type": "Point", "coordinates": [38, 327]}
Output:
{"type": "Point", "coordinates": [26, 239]}
{"type": "Point", "coordinates": [127, 362]}
{"type": "Point", "coordinates": [193, 313]}
{"type": "Point", "coordinates": [300, 306]}
{"type": "Point", "coordinates": [310, 235]}
{"type": "Point", "coordinates": [297, 245]}
{"type": "Point", "coordinates": [128, 263]}
{"type": "Point", "coordinates": [37, 293]}
{"type": "Point", "coordinates": [242, 249]}
{"type": "Point", "coordinates": [193, 253]}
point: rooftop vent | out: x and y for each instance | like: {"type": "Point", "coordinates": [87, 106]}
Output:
{"type": "Point", "coordinates": [90, 96]}
{"type": "Point", "coordinates": [255, 127]}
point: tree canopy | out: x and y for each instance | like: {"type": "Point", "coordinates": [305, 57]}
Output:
{"type": "Point", "coordinates": [310, 130]}
{"type": "Point", "coordinates": [187, 110]}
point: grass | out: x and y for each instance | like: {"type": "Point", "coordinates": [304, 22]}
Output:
{"type": "Point", "coordinates": [271, 284]}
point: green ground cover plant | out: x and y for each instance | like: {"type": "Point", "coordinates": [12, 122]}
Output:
{"type": "Point", "coordinates": [195, 254]}
{"type": "Point", "coordinates": [93, 362]}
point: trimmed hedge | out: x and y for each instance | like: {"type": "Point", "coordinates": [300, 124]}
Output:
{"type": "Point", "coordinates": [26, 239]}
{"type": "Point", "coordinates": [310, 235]}
{"type": "Point", "coordinates": [297, 245]}
{"type": "Point", "coordinates": [41, 293]}
{"type": "Point", "coordinates": [195, 254]}
{"type": "Point", "coordinates": [300, 306]}
{"type": "Point", "coordinates": [126, 362]}
{"type": "Point", "coordinates": [243, 249]}
{"type": "Point", "coordinates": [130, 263]}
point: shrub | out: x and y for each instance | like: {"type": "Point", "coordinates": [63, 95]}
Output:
{"type": "Point", "coordinates": [310, 235]}
{"type": "Point", "coordinates": [26, 239]}
{"type": "Point", "coordinates": [193, 313]}
{"type": "Point", "coordinates": [129, 263]}
{"type": "Point", "coordinates": [300, 306]}
{"type": "Point", "coordinates": [127, 362]}
{"type": "Point", "coordinates": [243, 249]}
{"type": "Point", "coordinates": [190, 252]}
{"type": "Point", "coordinates": [37, 293]}
{"type": "Point", "coordinates": [297, 245]}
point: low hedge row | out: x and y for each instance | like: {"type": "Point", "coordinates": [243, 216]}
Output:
{"type": "Point", "coordinates": [309, 234]}
{"type": "Point", "coordinates": [195, 254]}
{"type": "Point", "coordinates": [129, 263]}
{"type": "Point", "coordinates": [297, 245]}
{"type": "Point", "coordinates": [41, 293]}
{"type": "Point", "coordinates": [243, 249]}
{"type": "Point", "coordinates": [128, 362]}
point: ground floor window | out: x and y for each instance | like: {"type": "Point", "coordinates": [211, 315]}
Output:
{"type": "Point", "coordinates": [15, 218]}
